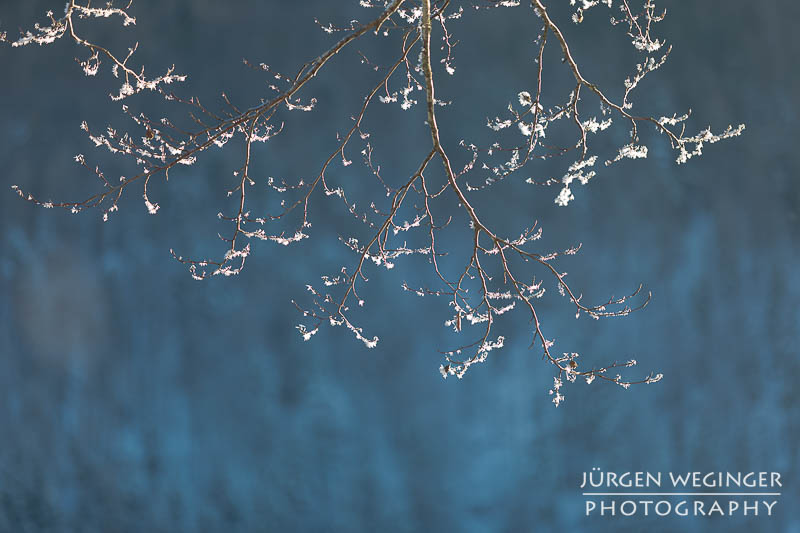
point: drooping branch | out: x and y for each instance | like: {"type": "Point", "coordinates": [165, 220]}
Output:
{"type": "Point", "coordinates": [498, 246]}
{"type": "Point", "coordinates": [499, 272]}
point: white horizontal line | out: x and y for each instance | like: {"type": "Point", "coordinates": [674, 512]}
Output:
{"type": "Point", "coordinates": [681, 493]}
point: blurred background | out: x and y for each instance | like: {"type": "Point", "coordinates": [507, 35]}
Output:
{"type": "Point", "coordinates": [133, 398]}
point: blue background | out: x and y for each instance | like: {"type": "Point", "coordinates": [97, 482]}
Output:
{"type": "Point", "coordinates": [133, 398]}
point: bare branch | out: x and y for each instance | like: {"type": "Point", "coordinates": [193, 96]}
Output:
{"type": "Point", "coordinates": [500, 273]}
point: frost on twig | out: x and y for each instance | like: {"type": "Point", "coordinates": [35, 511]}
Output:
{"type": "Point", "coordinates": [501, 274]}
{"type": "Point", "coordinates": [134, 81]}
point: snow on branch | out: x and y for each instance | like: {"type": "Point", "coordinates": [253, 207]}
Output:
{"type": "Point", "coordinates": [134, 81]}
{"type": "Point", "coordinates": [501, 274]}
